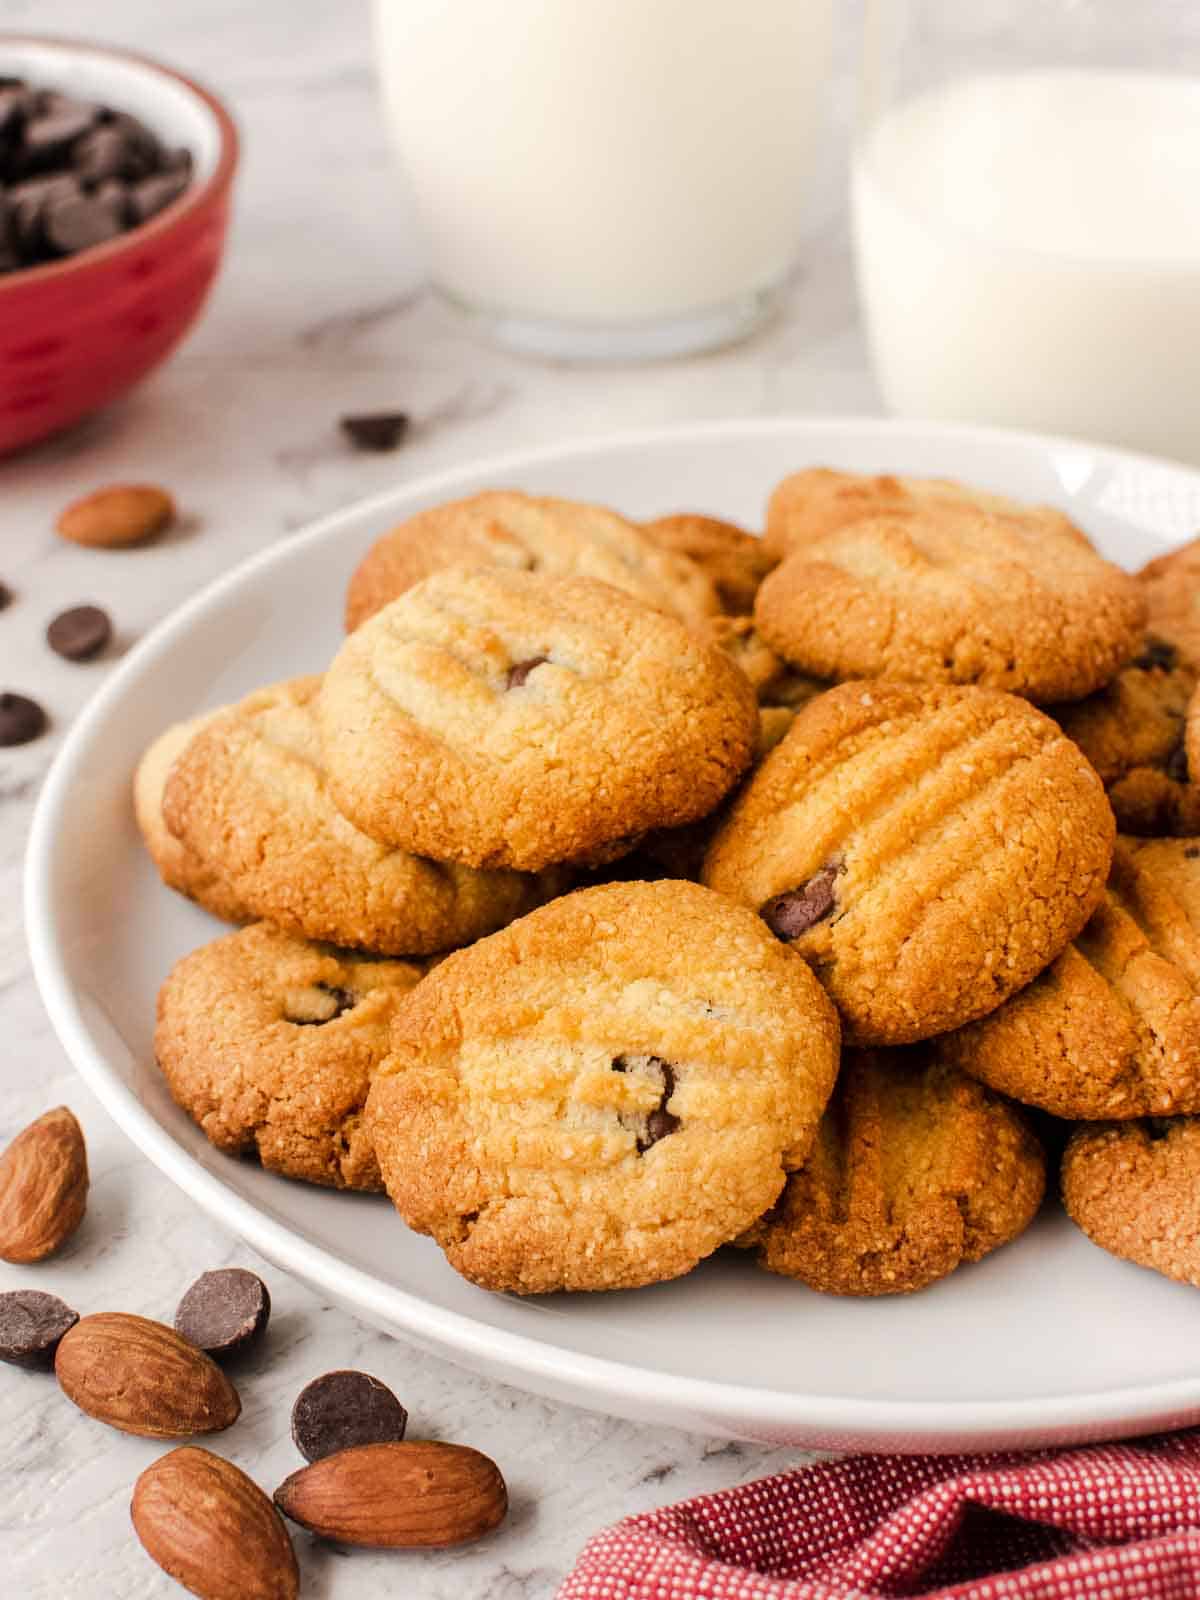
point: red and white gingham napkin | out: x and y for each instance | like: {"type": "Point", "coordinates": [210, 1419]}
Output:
{"type": "Point", "coordinates": [1110, 1522]}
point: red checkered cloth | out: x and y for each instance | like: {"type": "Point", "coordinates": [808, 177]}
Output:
{"type": "Point", "coordinates": [1111, 1522]}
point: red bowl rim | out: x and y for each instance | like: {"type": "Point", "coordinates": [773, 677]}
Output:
{"type": "Point", "coordinates": [191, 200]}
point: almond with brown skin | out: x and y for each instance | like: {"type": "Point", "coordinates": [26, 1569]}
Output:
{"type": "Point", "coordinates": [141, 1377]}
{"type": "Point", "coordinates": [120, 515]}
{"type": "Point", "coordinates": [43, 1187]}
{"type": "Point", "coordinates": [212, 1529]}
{"type": "Point", "coordinates": [405, 1496]}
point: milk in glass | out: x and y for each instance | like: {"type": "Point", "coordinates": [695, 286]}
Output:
{"type": "Point", "coordinates": [1028, 250]}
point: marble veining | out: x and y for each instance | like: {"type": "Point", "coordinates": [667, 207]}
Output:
{"type": "Point", "coordinates": [319, 311]}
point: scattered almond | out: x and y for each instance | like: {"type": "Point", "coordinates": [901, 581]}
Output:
{"type": "Point", "coordinates": [401, 1496]}
{"type": "Point", "coordinates": [141, 1377]}
{"type": "Point", "coordinates": [43, 1187]}
{"type": "Point", "coordinates": [212, 1529]}
{"type": "Point", "coordinates": [123, 514]}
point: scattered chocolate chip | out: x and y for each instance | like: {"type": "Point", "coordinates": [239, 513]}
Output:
{"type": "Point", "coordinates": [790, 914]}
{"type": "Point", "coordinates": [344, 1409]}
{"type": "Point", "coordinates": [6, 596]}
{"type": "Point", "coordinates": [31, 1324]}
{"type": "Point", "coordinates": [379, 430]}
{"type": "Point", "coordinates": [1157, 653]}
{"type": "Point", "coordinates": [1176, 765]}
{"type": "Point", "coordinates": [80, 633]}
{"type": "Point", "coordinates": [224, 1310]}
{"type": "Point", "coordinates": [317, 1003]}
{"type": "Point", "coordinates": [520, 670]}
{"type": "Point", "coordinates": [21, 719]}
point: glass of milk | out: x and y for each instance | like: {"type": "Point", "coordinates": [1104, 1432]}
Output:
{"type": "Point", "coordinates": [1026, 210]}
{"type": "Point", "coordinates": [614, 179]}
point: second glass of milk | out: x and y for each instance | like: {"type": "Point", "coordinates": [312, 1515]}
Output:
{"type": "Point", "coordinates": [607, 178]}
{"type": "Point", "coordinates": [1026, 200]}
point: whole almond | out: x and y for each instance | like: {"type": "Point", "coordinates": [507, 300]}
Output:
{"type": "Point", "coordinates": [123, 514]}
{"type": "Point", "coordinates": [212, 1529]}
{"type": "Point", "coordinates": [141, 1377]}
{"type": "Point", "coordinates": [43, 1187]}
{"type": "Point", "coordinates": [399, 1496]}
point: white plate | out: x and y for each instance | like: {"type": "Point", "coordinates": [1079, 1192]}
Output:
{"type": "Point", "coordinates": [1047, 1341]}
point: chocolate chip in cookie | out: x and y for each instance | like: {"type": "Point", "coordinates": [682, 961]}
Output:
{"type": "Point", "coordinates": [790, 914]}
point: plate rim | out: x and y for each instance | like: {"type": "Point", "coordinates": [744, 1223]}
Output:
{"type": "Point", "coordinates": [613, 1386]}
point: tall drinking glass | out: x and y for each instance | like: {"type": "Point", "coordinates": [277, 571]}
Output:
{"type": "Point", "coordinates": [1026, 202]}
{"type": "Point", "coordinates": [607, 178]}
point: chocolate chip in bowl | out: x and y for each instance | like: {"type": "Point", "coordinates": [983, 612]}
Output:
{"type": "Point", "coordinates": [76, 173]}
{"type": "Point", "coordinates": [115, 180]}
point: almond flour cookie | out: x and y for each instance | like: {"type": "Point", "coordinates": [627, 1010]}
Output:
{"type": "Point", "coordinates": [954, 594]}
{"type": "Point", "coordinates": [178, 867]}
{"type": "Point", "coordinates": [1134, 1189]}
{"type": "Point", "coordinates": [1134, 734]}
{"type": "Point", "coordinates": [734, 561]}
{"type": "Point", "coordinates": [249, 799]}
{"type": "Point", "coordinates": [928, 851]}
{"type": "Point", "coordinates": [1172, 586]}
{"type": "Point", "coordinates": [605, 1092]}
{"type": "Point", "coordinates": [508, 719]}
{"type": "Point", "coordinates": [1112, 1027]}
{"type": "Point", "coordinates": [809, 505]}
{"type": "Point", "coordinates": [269, 1043]}
{"type": "Point", "coordinates": [915, 1170]}
{"type": "Point", "coordinates": [525, 533]}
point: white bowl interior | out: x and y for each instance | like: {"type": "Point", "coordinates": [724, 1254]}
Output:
{"type": "Point", "coordinates": [1046, 1340]}
{"type": "Point", "coordinates": [168, 107]}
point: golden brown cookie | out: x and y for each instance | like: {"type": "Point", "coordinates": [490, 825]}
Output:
{"type": "Point", "coordinates": [1172, 586]}
{"type": "Point", "coordinates": [915, 1170]}
{"type": "Point", "coordinates": [927, 851]}
{"type": "Point", "coordinates": [605, 1092]}
{"type": "Point", "coordinates": [249, 799]}
{"type": "Point", "coordinates": [954, 594]}
{"type": "Point", "coordinates": [1112, 1027]}
{"type": "Point", "coordinates": [734, 561]}
{"type": "Point", "coordinates": [1134, 1189]}
{"type": "Point", "coordinates": [808, 505]}
{"type": "Point", "coordinates": [1134, 734]}
{"type": "Point", "coordinates": [508, 719]}
{"type": "Point", "coordinates": [527, 533]}
{"type": "Point", "coordinates": [269, 1043]}
{"type": "Point", "coordinates": [178, 867]}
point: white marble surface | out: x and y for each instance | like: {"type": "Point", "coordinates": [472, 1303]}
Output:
{"type": "Point", "coordinates": [319, 312]}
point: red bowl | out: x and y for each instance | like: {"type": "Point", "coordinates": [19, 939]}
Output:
{"type": "Point", "coordinates": [77, 333]}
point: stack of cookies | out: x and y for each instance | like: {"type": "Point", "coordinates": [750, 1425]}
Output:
{"type": "Point", "coordinates": [622, 891]}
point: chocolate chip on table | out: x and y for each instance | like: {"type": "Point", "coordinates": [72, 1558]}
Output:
{"type": "Point", "coordinates": [31, 1324]}
{"type": "Point", "coordinates": [344, 1409]}
{"type": "Point", "coordinates": [224, 1311]}
{"type": "Point", "coordinates": [6, 596]}
{"type": "Point", "coordinates": [377, 430]}
{"type": "Point", "coordinates": [520, 670]}
{"type": "Point", "coordinates": [21, 719]}
{"type": "Point", "coordinates": [79, 633]}
{"type": "Point", "coordinates": [790, 914]}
